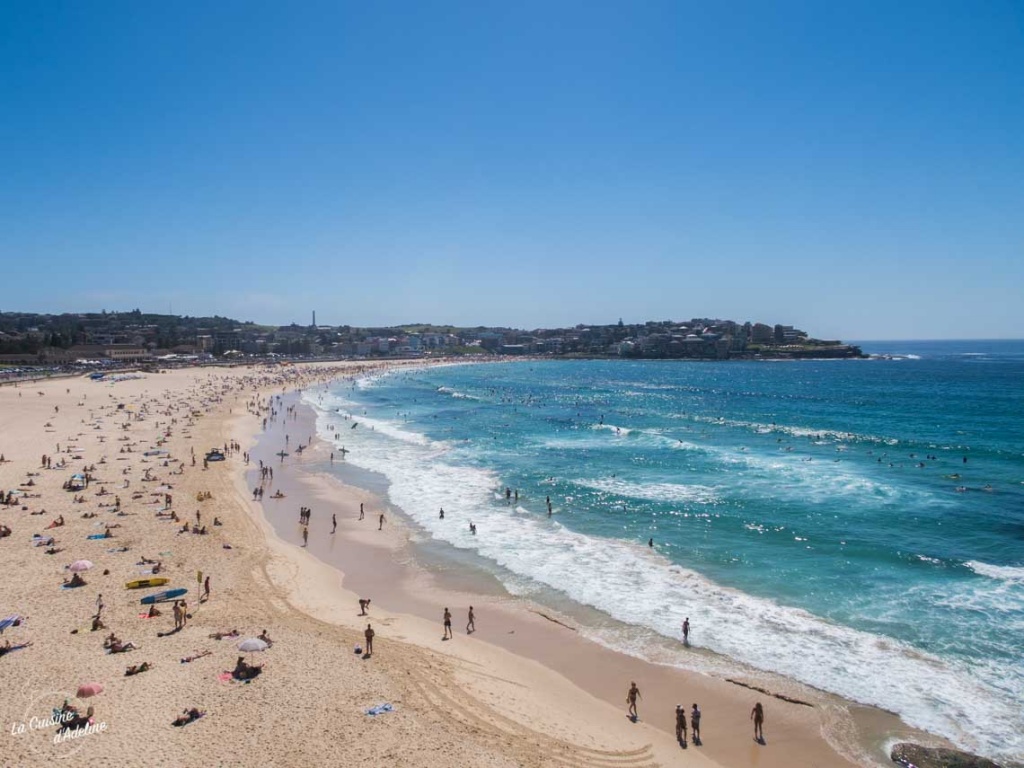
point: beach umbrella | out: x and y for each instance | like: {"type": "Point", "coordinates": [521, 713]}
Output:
{"type": "Point", "coordinates": [89, 689]}
{"type": "Point", "coordinates": [80, 565]}
{"type": "Point", "coordinates": [252, 645]}
{"type": "Point", "coordinates": [8, 622]}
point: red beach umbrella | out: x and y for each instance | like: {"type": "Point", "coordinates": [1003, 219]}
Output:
{"type": "Point", "coordinates": [89, 689]}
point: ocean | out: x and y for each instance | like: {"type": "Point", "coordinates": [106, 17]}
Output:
{"type": "Point", "coordinates": [857, 525]}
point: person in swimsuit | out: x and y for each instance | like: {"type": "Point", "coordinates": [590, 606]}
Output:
{"type": "Point", "coordinates": [757, 715]}
{"type": "Point", "coordinates": [631, 698]}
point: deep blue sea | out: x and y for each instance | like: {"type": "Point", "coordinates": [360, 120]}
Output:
{"type": "Point", "coordinates": [857, 525]}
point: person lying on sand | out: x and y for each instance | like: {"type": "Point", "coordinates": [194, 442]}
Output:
{"type": "Point", "coordinates": [277, 495]}
{"type": "Point", "coordinates": [187, 716]}
{"type": "Point", "coordinates": [222, 635]}
{"type": "Point", "coordinates": [7, 647]}
{"type": "Point", "coordinates": [136, 669]}
{"type": "Point", "coordinates": [198, 655]}
{"type": "Point", "coordinates": [77, 721]}
{"type": "Point", "coordinates": [53, 550]}
{"type": "Point", "coordinates": [265, 638]}
{"type": "Point", "coordinates": [75, 581]}
{"type": "Point", "coordinates": [244, 671]}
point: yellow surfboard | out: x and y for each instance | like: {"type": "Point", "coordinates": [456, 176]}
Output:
{"type": "Point", "coordinates": [142, 583]}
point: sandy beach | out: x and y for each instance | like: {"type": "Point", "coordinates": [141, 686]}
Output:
{"type": "Point", "coordinates": [524, 689]}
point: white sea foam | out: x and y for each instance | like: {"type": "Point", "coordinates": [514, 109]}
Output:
{"type": "Point", "coordinates": [975, 707]}
{"type": "Point", "coordinates": [1012, 573]}
{"type": "Point", "coordinates": [671, 492]}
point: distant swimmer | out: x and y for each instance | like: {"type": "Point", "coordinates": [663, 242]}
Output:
{"type": "Point", "coordinates": [442, 513]}
{"type": "Point", "coordinates": [650, 543]}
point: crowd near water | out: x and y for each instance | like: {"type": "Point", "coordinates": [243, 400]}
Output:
{"type": "Point", "coordinates": [856, 525]}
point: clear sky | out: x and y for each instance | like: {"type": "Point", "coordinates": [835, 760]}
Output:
{"type": "Point", "coordinates": [852, 168]}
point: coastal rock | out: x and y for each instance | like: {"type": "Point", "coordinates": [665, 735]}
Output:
{"type": "Point", "coordinates": [916, 756]}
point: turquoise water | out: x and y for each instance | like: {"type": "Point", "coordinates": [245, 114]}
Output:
{"type": "Point", "coordinates": [858, 525]}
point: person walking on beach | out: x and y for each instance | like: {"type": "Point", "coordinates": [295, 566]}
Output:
{"type": "Point", "coordinates": [681, 725]}
{"type": "Point", "coordinates": [447, 625]}
{"type": "Point", "coordinates": [471, 625]}
{"type": "Point", "coordinates": [334, 522]}
{"type": "Point", "coordinates": [757, 715]}
{"type": "Point", "coordinates": [305, 535]}
{"type": "Point", "coordinates": [360, 510]}
{"type": "Point", "coordinates": [206, 589]}
{"type": "Point", "coordinates": [176, 608]}
{"type": "Point", "coordinates": [695, 724]}
{"type": "Point", "coordinates": [631, 698]}
{"type": "Point", "coordinates": [686, 631]}
{"type": "Point", "coordinates": [380, 527]}
{"type": "Point", "coordinates": [368, 634]}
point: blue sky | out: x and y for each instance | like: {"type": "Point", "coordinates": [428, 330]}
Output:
{"type": "Point", "coordinates": [855, 169]}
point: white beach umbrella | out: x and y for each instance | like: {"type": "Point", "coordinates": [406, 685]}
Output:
{"type": "Point", "coordinates": [252, 645]}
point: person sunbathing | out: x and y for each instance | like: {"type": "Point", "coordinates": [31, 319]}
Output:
{"type": "Point", "coordinates": [190, 659]}
{"type": "Point", "coordinates": [216, 521]}
{"type": "Point", "coordinates": [75, 581]}
{"type": "Point", "coordinates": [77, 721]}
{"type": "Point", "coordinates": [7, 647]}
{"type": "Point", "coordinates": [265, 638]}
{"type": "Point", "coordinates": [277, 495]}
{"type": "Point", "coordinates": [53, 550]}
{"type": "Point", "coordinates": [222, 635]}
{"type": "Point", "coordinates": [184, 528]}
{"type": "Point", "coordinates": [244, 671]}
{"type": "Point", "coordinates": [89, 515]}
{"type": "Point", "coordinates": [107, 534]}
{"type": "Point", "coordinates": [187, 716]}
{"type": "Point", "coordinates": [136, 669]}
{"type": "Point", "coordinates": [119, 647]}
{"type": "Point", "coordinates": [97, 624]}
{"type": "Point", "coordinates": [153, 612]}
{"type": "Point", "coordinates": [4, 531]}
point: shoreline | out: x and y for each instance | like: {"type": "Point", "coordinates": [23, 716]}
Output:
{"type": "Point", "coordinates": [856, 733]}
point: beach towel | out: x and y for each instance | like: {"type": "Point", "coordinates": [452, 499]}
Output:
{"type": "Point", "coordinates": [380, 709]}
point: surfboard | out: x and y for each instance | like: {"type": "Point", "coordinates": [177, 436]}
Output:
{"type": "Point", "coordinates": [143, 583]}
{"type": "Point", "coordinates": [161, 597]}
